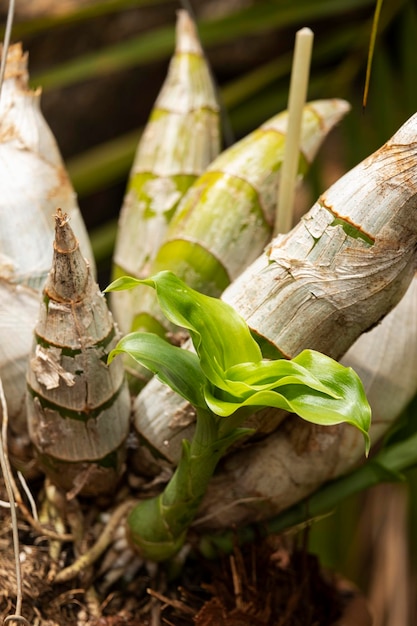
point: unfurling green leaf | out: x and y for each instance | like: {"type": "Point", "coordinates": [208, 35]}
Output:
{"type": "Point", "coordinates": [220, 335]}
{"type": "Point", "coordinates": [314, 386]}
{"type": "Point", "coordinates": [177, 368]}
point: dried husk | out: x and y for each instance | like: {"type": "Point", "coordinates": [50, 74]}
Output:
{"type": "Point", "coordinates": [346, 264]}
{"type": "Point", "coordinates": [180, 139]}
{"type": "Point", "coordinates": [334, 276]}
{"type": "Point", "coordinates": [78, 407]}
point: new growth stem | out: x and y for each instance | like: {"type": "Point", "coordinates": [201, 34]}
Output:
{"type": "Point", "coordinates": [158, 526]}
{"type": "Point", "coordinates": [296, 101]}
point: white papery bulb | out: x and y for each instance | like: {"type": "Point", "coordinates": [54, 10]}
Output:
{"type": "Point", "coordinates": [33, 181]}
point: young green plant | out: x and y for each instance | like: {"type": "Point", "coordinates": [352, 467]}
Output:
{"type": "Point", "coordinates": [224, 379]}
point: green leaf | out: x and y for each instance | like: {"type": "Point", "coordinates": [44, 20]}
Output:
{"type": "Point", "coordinates": [220, 335]}
{"type": "Point", "coordinates": [122, 283]}
{"type": "Point", "coordinates": [271, 374]}
{"type": "Point", "coordinates": [178, 368]}
{"type": "Point", "coordinates": [312, 385]}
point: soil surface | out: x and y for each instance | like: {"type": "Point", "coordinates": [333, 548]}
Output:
{"type": "Point", "coordinates": [270, 582]}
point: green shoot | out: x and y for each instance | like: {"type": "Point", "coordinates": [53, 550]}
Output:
{"type": "Point", "coordinates": [225, 379]}
{"type": "Point", "coordinates": [296, 100]}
